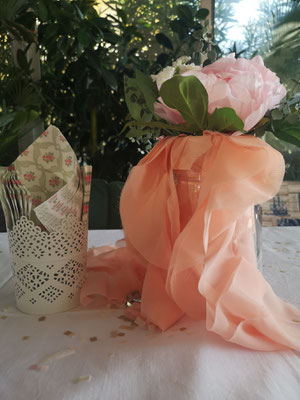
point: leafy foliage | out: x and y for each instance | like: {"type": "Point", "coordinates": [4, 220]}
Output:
{"type": "Point", "coordinates": [20, 96]}
{"type": "Point", "coordinates": [179, 29]}
{"type": "Point", "coordinates": [84, 58]}
{"type": "Point", "coordinates": [274, 34]}
{"type": "Point", "coordinates": [185, 94]}
{"type": "Point", "coordinates": [283, 57]}
{"type": "Point", "coordinates": [283, 124]}
{"type": "Point", "coordinates": [189, 97]}
{"type": "Point", "coordinates": [225, 120]}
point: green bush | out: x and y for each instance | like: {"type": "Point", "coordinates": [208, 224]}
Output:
{"type": "Point", "coordinates": [83, 60]}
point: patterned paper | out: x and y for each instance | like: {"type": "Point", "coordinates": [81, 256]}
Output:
{"type": "Point", "coordinates": [68, 200]}
{"type": "Point", "coordinates": [47, 179]}
{"type": "Point", "coordinates": [46, 165]}
{"type": "Point", "coordinates": [86, 171]}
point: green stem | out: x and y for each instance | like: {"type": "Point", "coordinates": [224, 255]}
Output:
{"type": "Point", "coordinates": [179, 127]}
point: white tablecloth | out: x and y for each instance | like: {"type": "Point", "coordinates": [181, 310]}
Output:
{"type": "Point", "coordinates": [184, 363]}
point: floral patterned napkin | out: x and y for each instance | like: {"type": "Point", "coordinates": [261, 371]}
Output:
{"type": "Point", "coordinates": [45, 183]}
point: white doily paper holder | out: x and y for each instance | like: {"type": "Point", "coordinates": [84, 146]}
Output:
{"type": "Point", "coordinates": [48, 268]}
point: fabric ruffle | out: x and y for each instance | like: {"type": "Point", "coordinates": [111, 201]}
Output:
{"type": "Point", "coordinates": [207, 269]}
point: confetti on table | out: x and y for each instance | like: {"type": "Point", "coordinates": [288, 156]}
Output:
{"type": "Point", "coordinates": [128, 327]}
{"type": "Point", "coordinates": [69, 333]}
{"type": "Point", "coordinates": [42, 318]}
{"type": "Point", "coordinates": [36, 367]}
{"type": "Point", "coordinates": [3, 317]}
{"type": "Point", "coordinates": [25, 337]}
{"type": "Point", "coordinates": [93, 339]}
{"type": "Point", "coordinates": [115, 334]}
{"type": "Point", "coordinates": [58, 355]}
{"type": "Point", "coordinates": [140, 321]}
{"type": "Point", "coordinates": [86, 378]}
{"type": "Point", "coordinates": [124, 318]}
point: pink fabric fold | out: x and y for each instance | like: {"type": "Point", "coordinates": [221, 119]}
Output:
{"type": "Point", "coordinates": [207, 268]}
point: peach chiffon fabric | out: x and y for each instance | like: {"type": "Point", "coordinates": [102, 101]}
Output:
{"type": "Point", "coordinates": [205, 268]}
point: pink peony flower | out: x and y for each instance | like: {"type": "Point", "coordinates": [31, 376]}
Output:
{"type": "Point", "coordinates": [247, 86]}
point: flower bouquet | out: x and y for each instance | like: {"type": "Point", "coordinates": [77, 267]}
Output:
{"type": "Point", "coordinates": [186, 206]}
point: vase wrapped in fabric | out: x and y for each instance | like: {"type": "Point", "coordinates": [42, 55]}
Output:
{"type": "Point", "coordinates": [187, 207]}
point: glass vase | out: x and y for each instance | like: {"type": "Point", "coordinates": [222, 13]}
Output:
{"type": "Point", "coordinates": [188, 185]}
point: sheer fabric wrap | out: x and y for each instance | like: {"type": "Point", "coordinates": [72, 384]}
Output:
{"type": "Point", "coordinates": [207, 269]}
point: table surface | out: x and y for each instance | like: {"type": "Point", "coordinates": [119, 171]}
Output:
{"type": "Point", "coordinates": [124, 362]}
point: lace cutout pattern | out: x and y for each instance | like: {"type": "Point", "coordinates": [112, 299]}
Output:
{"type": "Point", "coordinates": [49, 268]}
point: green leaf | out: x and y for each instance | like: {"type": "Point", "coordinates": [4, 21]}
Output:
{"type": "Point", "coordinates": [32, 115]}
{"type": "Point", "coordinates": [23, 94]}
{"type": "Point", "coordinates": [51, 32]}
{"type": "Point", "coordinates": [212, 55]}
{"type": "Point", "coordinates": [288, 132]}
{"type": "Point", "coordinates": [122, 15]}
{"type": "Point", "coordinates": [12, 8]}
{"type": "Point", "coordinates": [42, 11]}
{"type": "Point", "coordinates": [202, 14]}
{"type": "Point", "coordinates": [110, 79]}
{"type": "Point", "coordinates": [22, 118]}
{"type": "Point", "coordinates": [8, 147]}
{"type": "Point", "coordinates": [27, 97]}
{"type": "Point", "coordinates": [163, 59]}
{"type": "Point", "coordinates": [225, 120]}
{"type": "Point", "coordinates": [83, 37]}
{"type": "Point", "coordinates": [164, 40]}
{"type": "Point", "coordinates": [185, 13]}
{"type": "Point", "coordinates": [111, 37]}
{"type": "Point", "coordinates": [148, 89]}
{"type": "Point", "coordinates": [5, 119]}
{"type": "Point", "coordinates": [135, 101]}
{"type": "Point", "coordinates": [206, 62]}
{"type": "Point", "coordinates": [276, 114]}
{"type": "Point", "coordinates": [79, 12]}
{"type": "Point", "coordinates": [135, 132]}
{"type": "Point", "coordinates": [187, 95]}
{"type": "Point", "coordinates": [178, 26]}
